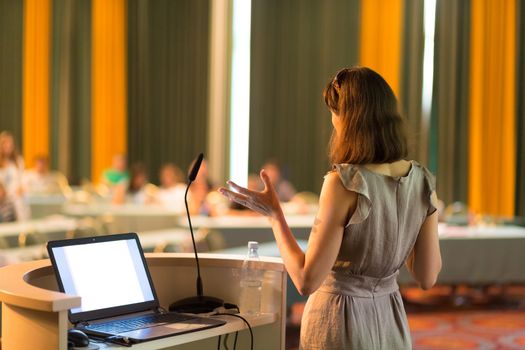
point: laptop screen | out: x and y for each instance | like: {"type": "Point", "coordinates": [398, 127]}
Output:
{"type": "Point", "coordinates": [107, 272]}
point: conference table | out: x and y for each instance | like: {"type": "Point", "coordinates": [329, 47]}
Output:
{"type": "Point", "coordinates": [172, 240]}
{"type": "Point", "coordinates": [44, 205]}
{"type": "Point", "coordinates": [125, 217]}
{"type": "Point", "coordinates": [12, 234]}
{"type": "Point", "coordinates": [238, 230]}
{"type": "Point", "coordinates": [480, 255]}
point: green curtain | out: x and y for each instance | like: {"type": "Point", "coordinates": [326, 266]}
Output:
{"type": "Point", "coordinates": [71, 89]}
{"type": "Point", "coordinates": [520, 115]}
{"type": "Point", "coordinates": [167, 81]}
{"type": "Point", "coordinates": [448, 150]}
{"type": "Point", "coordinates": [296, 48]}
{"type": "Point", "coordinates": [11, 39]}
{"type": "Point", "coordinates": [412, 75]}
{"type": "Point", "coordinates": [80, 126]}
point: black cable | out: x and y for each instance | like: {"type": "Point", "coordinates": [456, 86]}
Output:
{"type": "Point", "coordinates": [225, 341]}
{"type": "Point", "coordinates": [235, 341]}
{"type": "Point", "coordinates": [219, 343]}
{"type": "Point", "coordinates": [245, 321]}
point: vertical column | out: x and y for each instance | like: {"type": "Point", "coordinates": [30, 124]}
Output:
{"type": "Point", "coordinates": [380, 37]}
{"type": "Point", "coordinates": [520, 115]}
{"type": "Point", "coordinates": [492, 107]}
{"type": "Point", "coordinates": [219, 89]}
{"type": "Point", "coordinates": [240, 91]}
{"type": "Point", "coordinates": [35, 96]}
{"type": "Point", "coordinates": [11, 47]}
{"type": "Point", "coordinates": [61, 84]}
{"type": "Point", "coordinates": [108, 87]}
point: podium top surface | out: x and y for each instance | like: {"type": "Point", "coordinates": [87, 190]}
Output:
{"type": "Point", "coordinates": [19, 283]}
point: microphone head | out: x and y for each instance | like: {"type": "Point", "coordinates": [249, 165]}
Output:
{"type": "Point", "coordinates": [196, 166]}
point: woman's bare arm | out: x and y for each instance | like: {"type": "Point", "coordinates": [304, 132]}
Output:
{"type": "Point", "coordinates": [424, 262]}
{"type": "Point", "coordinates": [336, 204]}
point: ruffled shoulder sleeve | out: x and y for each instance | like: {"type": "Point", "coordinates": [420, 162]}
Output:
{"type": "Point", "coordinates": [430, 188]}
{"type": "Point", "coordinates": [353, 180]}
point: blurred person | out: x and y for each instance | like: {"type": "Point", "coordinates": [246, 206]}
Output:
{"type": "Point", "coordinates": [11, 164]}
{"type": "Point", "coordinates": [285, 190]}
{"type": "Point", "coordinates": [11, 170]}
{"type": "Point", "coordinates": [377, 211]}
{"type": "Point", "coordinates": [198, 202]}
{"type": "Point", "coordinates": [40, 180]}
{"type": "Point", "coordinates": [7, 207]}
{"type": "Point", "coordinates": [118, 173]}
{"type": "Point", "coordinates": [172, 187]}
{"type": "Point", "coordinates": [138, 191]}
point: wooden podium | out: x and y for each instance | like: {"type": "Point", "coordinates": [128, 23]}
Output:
{"type": "Point", "coordinates": [34, 313]}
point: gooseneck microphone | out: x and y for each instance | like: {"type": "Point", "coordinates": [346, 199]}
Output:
{"type": "Point", "coordinates": [195, 170]}
{"type": "Point", "coordinates": [191, 177]}
{"type": "Point", "coordinates": [200, 303]}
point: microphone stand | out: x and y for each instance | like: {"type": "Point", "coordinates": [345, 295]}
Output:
{"type": "Point", "coordinates": [200, 303]}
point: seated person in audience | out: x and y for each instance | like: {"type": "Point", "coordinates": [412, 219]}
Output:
{"type": "Point", "coordinates": [40, 180]}
{"type": "Point", "coordinates": [285, 190]}
{"type": "Point", "coordinates": [138, 191]}
{"type": "Point", "coordinates": [198, 202]}
{"type": "Point", "coordinates": [118, 173]}
{"type": "Point", "coordinates": [11, 169]}
{"type": "Point", "coordinates": [7, 207]}
{"type": "Point", "coordinates": [172, 187]}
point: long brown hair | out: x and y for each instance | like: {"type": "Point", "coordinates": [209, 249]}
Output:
{"type": "Point", "coordinates": [372, 130]}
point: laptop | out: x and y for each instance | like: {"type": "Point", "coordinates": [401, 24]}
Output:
{"type": "Point", "coordinates": [119, 302]}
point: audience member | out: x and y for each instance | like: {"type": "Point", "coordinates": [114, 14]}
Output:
{"type": "Point", "coordinates": [11, 164]}
{"type": "Point", "coordinates": [198, 194]}
{"type": "Point", "coordinates": [11, 169]}
{"type": "Point", "coordinates": [172, 187]}
{"type": "Point", "coordinates": [138, 191]}
{"type": "Point", "coordinates": [118, 173]}
{"type": "Point", "coordinates": [285, 190]}
{"type": "Point", "coordinates": [40, 180]}
{"type": "Point", "coordinates": [7, 207]}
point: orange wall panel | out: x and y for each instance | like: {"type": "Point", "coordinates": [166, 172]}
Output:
{"type": "Point", "coordinates": [36, 78]}
{"type": "Point", "coordinates": [109, 96]}
{"type": "Point", "coordinates": [492, 134]}
{"type": "Point", "coordinates": [381, 38]}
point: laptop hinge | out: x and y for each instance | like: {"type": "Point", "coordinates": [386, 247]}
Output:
{"type": "Point", "coordinates": [160, 310]}
{"type": "Point", "coordinates": [81, 324]}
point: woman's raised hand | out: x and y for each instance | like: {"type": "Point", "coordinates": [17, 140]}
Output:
{"type": "Point", "coordinates": [264, 202]}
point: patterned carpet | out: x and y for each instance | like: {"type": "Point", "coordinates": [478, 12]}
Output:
{"type": "Point", "coordinates": [468, 330]}
{"type": "Point", "coordinates": [461, 319]}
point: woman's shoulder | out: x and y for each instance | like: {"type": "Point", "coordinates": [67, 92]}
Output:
{"type": "Point", "coordinates": [426, 173]}
{"type": "Point", "coordinates": [346, 170]}
{"type": "Point", "coordinates": [357, 175]}
{"type": "Point", "coordinates": [351, 176]}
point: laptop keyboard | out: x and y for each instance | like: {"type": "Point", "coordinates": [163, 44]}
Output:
{"type": "Point", "coordinates": [121, 326]}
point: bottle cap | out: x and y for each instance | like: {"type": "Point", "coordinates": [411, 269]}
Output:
{"type": "Point", "coordinates": [253, 245]}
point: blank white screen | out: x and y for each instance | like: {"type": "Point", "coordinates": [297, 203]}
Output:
{"type": "Point", "coordinates": [104, 274]}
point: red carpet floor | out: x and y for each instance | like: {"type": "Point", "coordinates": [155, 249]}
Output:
{"type": "Point", "coordinates": [468, 330]}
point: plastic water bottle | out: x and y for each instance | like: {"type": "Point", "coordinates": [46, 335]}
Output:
{"type": "Point", "coordinates": [251, 282]}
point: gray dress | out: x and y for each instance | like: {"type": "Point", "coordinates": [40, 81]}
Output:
{"type": "Point", "coordinates": [359, 306]}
